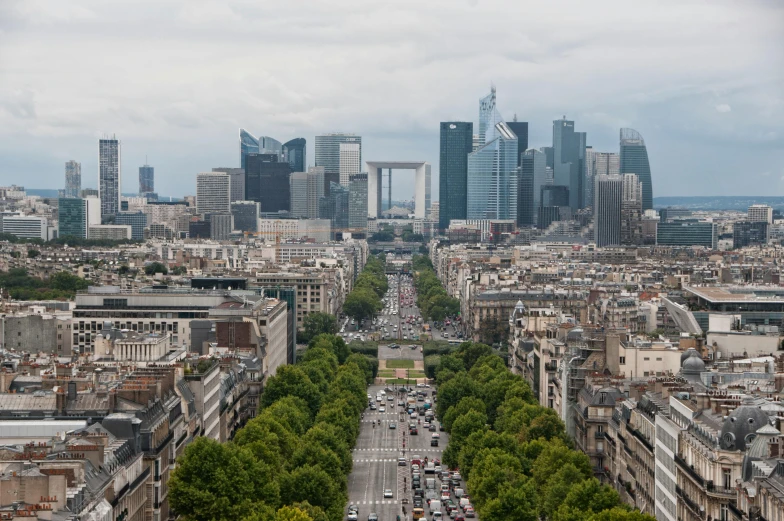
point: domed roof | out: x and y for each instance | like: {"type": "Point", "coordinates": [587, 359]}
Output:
{"type": "Point", "coordinates": [746, 419]}
{"type": "Point", "coordinates": [689, 352]}
{"type": "Point", "coordinates": [759, 449]}
{"type": "Point", "coordinates": [693, 365]}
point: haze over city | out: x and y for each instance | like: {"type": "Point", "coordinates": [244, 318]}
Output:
{"type": "Point", "coordinates": [702, 82]}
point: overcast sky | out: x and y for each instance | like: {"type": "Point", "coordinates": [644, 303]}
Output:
{"type": "Point", "coordinates": [702, 81]}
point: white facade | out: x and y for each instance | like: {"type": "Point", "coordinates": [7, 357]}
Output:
{"type": "Point", "coordinates": [109, 175]}
{"type": "Point", "coordinates": [422, 184]}
{"type": "Point", "coordinates": [306, 188]}
{"type": "Point", "coordinates": [285, 229]}
{"type": "Point", "coordinates": [112, 232]}
{"type": "Point", "coordinates": [760, 213]}
{"type": "Point", "coordinates": [24, 226]}
{"type": "Point", "coordinates": [213, 193]}
{"type": "Point", "coordinates": [350, 155]}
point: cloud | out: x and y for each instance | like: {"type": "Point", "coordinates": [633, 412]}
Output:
{"type": "Point", "coordinates": [723, 107]}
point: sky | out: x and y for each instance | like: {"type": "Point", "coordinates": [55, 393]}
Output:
{"type": "Point", "coordinates": [702, 81]}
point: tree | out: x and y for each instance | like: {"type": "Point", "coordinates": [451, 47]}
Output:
{"type": "Point", "coordinates": [470, 422]}
{"type": "Point", "coordinates": [470, 352]}
{"type": "Point", "coordinates": [585, 498]}
{"type": "Point", "coordinates": [466, 404]}
{"type": "Point", "coordinates": [493, 330]}
{"type": "Point", "coordinates": [32, 254]}
{"type": "Point", "coordinates": [317, 323]}
{"type": "Point", "coordinates": [65, 281]}
{"type": "Point", "coordinates": [329, 436]}
{"type": "Point", "coordinates": [314, 485]}
{"type": "Point", "coordinates": [492, 469]}
{"type": "Point", "coordinates": [333, 344]}
{"type": "Point", "coordinates": [290, 380]}
{"type": "Point", "coordinates": [293, 413]}
{"type": "Point", "coordinates": [451, 392]}
{"type": "Point", "coordinates": [362, 303]}
{"type": "Point", "coordinates": [621, 514]}
{"type": "Point", "coordinates": [292, 514]}
{"type": "Point", "coordinates": [155, 267]}
{"type": "Point", "coordinates": [514, 501]}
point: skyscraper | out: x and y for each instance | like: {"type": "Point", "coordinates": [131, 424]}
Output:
{"type": "Point", "coordinates": [73, 178]}
{"type": "Point", "coordinates": [334, 206]}
{"type": "Point", "coordinates": [493, 176]}
{"type": "Point", "coordinates": [760, 213]}
{"type": "Point", "coordinates": [456, 144]}
{"type": "Point", "coordinates": [533, 176]}
{"type": "Point", "coordinates": [631, 210]}
{"type": "Point", "coordinates": [328, 155]}
{"type": "Point", "coordinates": [489, 116]}
{"type": "Point", "coordinates": [213, 193]}
{"type": "Point", "coordinates": [349, 161]}
{"type": "Point", "coordinates": [608, 195]}
{"type": "Point", "coordinates": [267, 182]}
{"type": "Point", "coordinates": [597, 163]}
{"type": "Point", "coordinates": [294, 153]}
{"type": "Point", "coordinates": [569, 161]}
{"type": "Point", "coordinates": [246, 215]}
{"type": "Point", "coordinates": [307, 188]}
{"type": "Point", "coordinates": [520, 128]}
{"type": "Point", "coordinates": [109, 176]}
{"type": "Point", "coordinates": [146, 179]}
{"type": "Point", "coordinates": [634, 160]}
{"type": "Point", "coordinates": [237, 176]}
{"type": "Point", "coordinates": [358, 204]}
{"type": "Point", "coordinates": [249, 144]}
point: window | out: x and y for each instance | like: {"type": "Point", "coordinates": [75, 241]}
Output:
{"type": "Point", "coordinates": [623, 360]}
{"type": "Point", "coordinates": [647, 358]}
{"type": "Point", "coordinates": [727, 477]}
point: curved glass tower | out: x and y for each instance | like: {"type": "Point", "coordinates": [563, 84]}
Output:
{"type": "Point", "coordinates": [634, 160]}
{"type": "Point", "coordinates": [248, 145]}
{"type": "Point", "coordinates": [493, 177]}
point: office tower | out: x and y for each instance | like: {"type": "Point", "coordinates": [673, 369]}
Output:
{"type": "Point", "coordinates": [298, 188]}
{"type": "Point", "coordinates": [146, 179]}
{"type": "Point", "coordinates": [294, 153]}
{"type": "Point", "coordinates": [109, 176]}
{"type": "Point", "coordinates": [569, 161]}
{"type": "Point", "coordinates": [237, 176]}
{"type": "Point", "coordinates": [597, 163]}
{"type": "Point", "coordinates": [520, 128]}
{"type": "Point", "coordinates": [328, 155]}
{"type": "Point", "coordinates": [634, 160]}
{"type": "Point", "coordinates": [671, 213]}
{"type": "Point", "coordinates": [307, 188]}
{"type": "Point", "coordinates": [246, 215]}
{"type": "Point", "coordinates": [749, 233]}
{"type": "Point", "coordinates": [435, 211]}
{"type": "Point", "coordinates": [535, 162]}
{"type": "Point", "coordinates": [760, 213]}
{"type": "Point", "coordinates": [221, 225]}
{"type": "Point", "coordinates": [349, 161]}
{"type": "Point", "coordinates": [493, 176]}
{"type": "Point", "coordinates": [136, 220]}
{"type": "Point", "coordinates": [196, 229]}
{"type": "Point", "coordinates": [76, 215]}
{"type": "Point", "coordinates": [267, 182]}
{"type": "Point", "coordinates": [73, 178]}
{"type": "Point", "coordinates": [249, 144]}
{"type": "Point", "coordinates": [525, 194]}
{"type": "Point", "coordinates": [213, 193]}
{"type": "Point", "coordinates": [334, 206]}
{"type": "Point", "coordinates": [608, 199]}
{"type": "Point", "coordinates": [631, 210]}
{"type": "Point", "coordinates": [549, 154]}
{"type": "Point", "coordinates": [358, 203]}
{"type": "Point", "coordinates": [456, 144]}
{"type": "Point", "coordinates": [489, 117]}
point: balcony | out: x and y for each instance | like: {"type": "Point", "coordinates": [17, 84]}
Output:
{"type": "Point", "coordinates": [735, 512]}
{"type": "Point", "coordinates": [720, 492]}
{"type": "Point", "coordinates": [690, 471]}
{"type": "Point", "coordinates": [551, 366]}
{"type": "Point", "coordinates": [691, 505]}
{"type": "Point", "coordinates": [637, 434]}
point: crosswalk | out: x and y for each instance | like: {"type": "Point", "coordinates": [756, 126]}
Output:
{"type": "Point", "coordinates": [387, 449]}
{"type": "Point", "coordinates": [380, 502]}
{"type": "Point", "coordinates": [381, 460]}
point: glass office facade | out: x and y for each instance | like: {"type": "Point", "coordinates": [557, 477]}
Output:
{"type": "Point", "coordinates": [687, 233]}
{"type": "Point", "coordinates": [456, 144]}
{"type": "Point", "coordinates": [634, 160]}
{"type": "Point", "coordinates": [136, 220]}
{"type": "Point", "coordinates": [72, 215]}
{"type": "Point", "coordinates": [493, 177]}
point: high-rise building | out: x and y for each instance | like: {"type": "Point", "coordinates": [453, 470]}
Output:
{"type": "Point", "coordinates": [634, 160]}
{"type": "Point", "coordinates": [76, 215]}
{"type": "Point", "coordinates": [687, 233]}
{"type": "Point", "coordinates": [109, 176]}
{"type": "Point", "coordinates": [249, 144]}
{"type": "Point", "coordinates": [760, 213]}
{"type": "Point", "coordinates": [435, 211]}
{"type": "Point", "coordinates": [267, 182]}
{"type": "Point", "coordinates": [493, 176]}
{"type": "Point", "coordinates": [213, 193]}
{"type": "Point", "coordinates": [597, 163]}
{"type": "Point", "coordinates": [146, 179]}
{"type": "Point", "coordinates": [608, 200]}
{"type": "Point", "coordinates": [520, 128]}
{"type": "Point", "coordinates": [334, 206]}
{"type": "Point", "coordinates": [246, 215]}
{"type": "Point", "coordinates": [631, 210]}
{"type": "Point", "coordinates": [328, 155]}
{"type": "Point", "coordinates": [749, 233]}
{"type": "Point", "coordinates": [136, 220]}
{"type": "Point", "coordinates": [73, 178]}
{"type": "Point", "coordinates": [307, 189]}
{"type": "Point", "coordinates": [456, 144]}
{"type": "Point", "coordinates": [221, 225]}
{"type": "Point", "coordinates": [237, 176]}
{"type": "Point", "coordinates": [569, 161]}
{"type": "Point", "coordinates": [358, 204]}
{"type": "Point", "coordinates": [535, 162]}
{"type": "Point", "coordinates": [294, 153]}
{"type": "Point", "coordinates": [349, 161]}
{"type": "Point", "coordinates": [489, 117]}
{"type": "Point", "coordinates": [525, 193]}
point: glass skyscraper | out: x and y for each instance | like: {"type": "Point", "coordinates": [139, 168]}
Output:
{"type": "Point", "coordinates": [493, 176]}
{"type": "Point", "coordinates": [569, 161]}
{"type": "Point", "coordinates": [634, 160]}
{"type": "Point", "coordinates": [294, 153]}
{"type": "Point", "coordinates": [520, 128]}
{"type": "Point", "coordinates": [489, 116]}
{"type": "Point", "coordinates": [72, 217]}
{"type": "Point", "coordinates": [73, 178]}
{"type": "Point", "coordinates": [456, 144]}
{"type": "Point", "coordinates": [146, 179]}
{"type": "Point", "coordinates": [267, 182]}
{"type": "Point", "coordinates": [358, 203]}
{"type": "Point", "coordinates": [328, 155]}
{"type": "Point", "coordinates": [109, 176]}
{"type": "Point", "coordinates": [136, 220]}
{"type": "Point", "coordinates": [249, 144]}
{"type": "Point", "coordinates": [334, 206]}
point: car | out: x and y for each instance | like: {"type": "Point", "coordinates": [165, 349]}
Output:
{"type": "Point", "coordinates": [382, 409]}
{"type": "Point", "coordinates": [388, 493]}
{"type": "Point", "coordinates": [401, 462]}
{"type": "Point", "coordinates": [458, 517]}
{"type": "Point", "coordinates": [352, 515]}
{"type": "Point", "coordinates": [469, 512]}
{"type": "Point", "coordinates": [390, 397]}
{"type": "Point", "coordinates": [372, 516]}
{"type": "Point", "coordinates": [432, 427]}
{"type": "Point", "coordinates": [418, 502]}
{"type": "Point", "coordinates": [392, 425]}
{"type": "Point", "coordinates": [372, 406]}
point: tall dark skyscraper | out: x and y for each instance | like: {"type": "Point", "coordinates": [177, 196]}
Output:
{"type": "Point", "coordinates": [520, 128]}
{"type": "Point", "coordinates": [146, 179]}
{"type": "Point", "coordinates": [569, 161]}
{"type": "Point", "coordinates": [250, 144]}
{"type": "Point", "coordinates": [294, 152]}
{"type": "Point", "coordinates": [634, 160]}
{"type": "Point", "coordinates": [267, 182]}
{"type": "Point", "coordinates": [525, 192]}
{"type": "Point", "coordinates": [456, 144]}
{"type": "Point", "coordinates": [334, 206]}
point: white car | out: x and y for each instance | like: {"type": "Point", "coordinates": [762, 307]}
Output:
{"type": "Point", "coordinates": [382, 409]}
{"type": "Point", "coordinates": [387, 493]}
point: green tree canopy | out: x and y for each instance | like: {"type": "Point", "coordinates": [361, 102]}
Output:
{"type": "Point", "coordinates": [317, 323]}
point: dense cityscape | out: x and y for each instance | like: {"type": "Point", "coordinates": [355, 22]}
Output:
{"type": "Point", "coordinates": [480, 260]}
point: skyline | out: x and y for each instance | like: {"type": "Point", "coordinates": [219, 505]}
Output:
{"type": "Point", "coordinates": [693, 94]}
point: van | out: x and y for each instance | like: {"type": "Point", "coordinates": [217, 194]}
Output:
{"type": "Point", "coordinates": [459, 493]}
{"type": "Point", "coordinates": [435, 506]}
{"type": "Point", "coordinates": [463, 503]}
{"type": "Point", "coordinates": [430, 483]}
